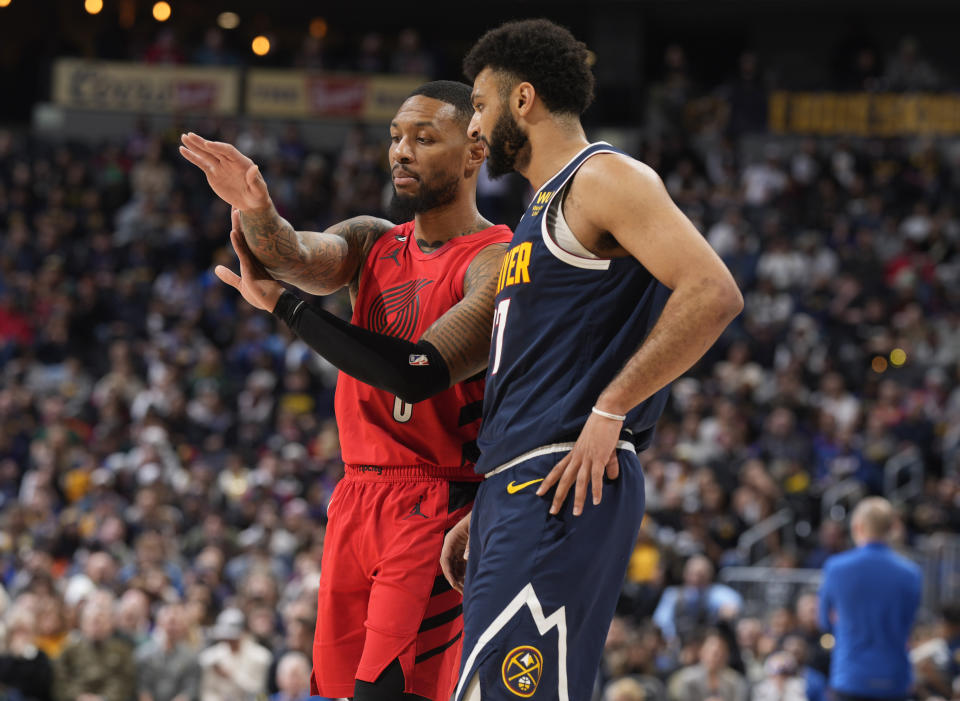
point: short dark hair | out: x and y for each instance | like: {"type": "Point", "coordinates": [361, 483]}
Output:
{"type": "Point", "coordinates": [453, 93]}
{"type": "Point", "coordinates": [541, 53]}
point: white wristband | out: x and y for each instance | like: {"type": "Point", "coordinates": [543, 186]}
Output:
{"type": "Point", "coordinates": [608, 415]}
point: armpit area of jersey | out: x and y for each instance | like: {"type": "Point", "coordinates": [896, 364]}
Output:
{"type": "Point", "coordinates": [411, 371]}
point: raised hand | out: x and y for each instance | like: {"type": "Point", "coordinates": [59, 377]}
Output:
{"type": "Point", "coordinates": [234, 177]}
{"type": "Point", "coordinates": [253, 282]}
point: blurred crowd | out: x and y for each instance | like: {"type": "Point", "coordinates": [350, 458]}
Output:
{"type": "Point", "coordinates": [167, 452]}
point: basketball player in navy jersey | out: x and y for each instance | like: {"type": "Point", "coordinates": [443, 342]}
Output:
{"type": "Point", "coordinates": [607, 294]}
{"type": "Point", "coordinates": [409, 395]}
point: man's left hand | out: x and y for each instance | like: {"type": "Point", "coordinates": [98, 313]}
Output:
{"type": "Point", "coordinates": [593, 455]}
{"type": "Point", "coordinates": [254, 282]}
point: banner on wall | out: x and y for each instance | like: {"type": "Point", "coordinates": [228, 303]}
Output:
{"type": "Point", "coordinates": [864, 114]}
{"type": "Point", "coordinates": [133, 87]}
{"type": "Point", "coordinates": [303, 94]}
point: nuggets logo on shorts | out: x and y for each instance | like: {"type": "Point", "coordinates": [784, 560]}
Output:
{"type": "Point", "coordinates": [521, 670]}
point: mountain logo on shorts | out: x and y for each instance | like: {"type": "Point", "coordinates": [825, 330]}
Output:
{"type": "Point", "coordinates": [397, 310]}
{"type": "Point", "coordinates": [522, 669]}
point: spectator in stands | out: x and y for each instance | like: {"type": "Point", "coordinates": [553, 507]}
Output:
{"type": "Point", "coordinates": [298, 638]}
{"type": "Point", "coordinates": [133, 617]}
{"type": "Point", "coordinates": [293, 678]}
{"type": "Point", "coordinates": [409, 57]}
{"type": "Point", "coordinates": [234, 667]}
{"type": "Point", "coordinates": [711, 677]}
{"type": "Point", "coordinates": [868, 600]}
{"type": "Point", "coordinates": [165, 49]}
{"type": "Point", "coordinates": [699, 601]}
{"type": "Point", "coordinates": [746, 96]}
{"type": "Point", "coordinates": [167, 668]}
{"type": "Point", "coordinates": [311, 54]}
{"type": "Point", "coordinates": [51, 624]}
{"type": "Point", "coordinates": [370, 58]}
{"type": "Point", "coordinates": [99, 571]}
{"type": "Point", "coordinates": [815, 682]}
{"type": "Point", "coordinates": [780, 682]}
{"type": "Point", "coordinates": [764, 179]}
{"type": "Point", "coordinates": [808, 628]}
{"type": "Point", "coordinates": [625, 689]}
{"type": "Point", "coordinates": [907, 70]}
{"type": "Point", "coordinates": [213, 51]}
{"type": "Point", "coordinates": [830, 541]}
{"type": "Point", "coordinates": [24, 669]}
{"type": "Point", "coordinates": [950, 621]}
{"type": "Point", "coordinates": [96, 664]}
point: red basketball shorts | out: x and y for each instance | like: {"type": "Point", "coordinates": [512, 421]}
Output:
{"type": "Point", "coordinates": [382, 594]}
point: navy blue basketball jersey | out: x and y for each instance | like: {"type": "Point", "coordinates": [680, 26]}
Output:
{"type": "Point", "coordinates": [564, 326]}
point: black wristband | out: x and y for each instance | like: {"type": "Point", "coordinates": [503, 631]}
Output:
{"type": "Point", "coordinates": [288, 308]}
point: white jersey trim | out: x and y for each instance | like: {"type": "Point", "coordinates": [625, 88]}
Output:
{"type": "Point", "coordinates": [526, 597]}
{"type": "Point", "coordinates": [546, 450]}
{"type": "Point", "coordinates": [548, 240]}
{"type": "Point", "coordinates": [562, 233]}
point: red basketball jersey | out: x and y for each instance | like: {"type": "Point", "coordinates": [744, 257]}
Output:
{"type": "Point", "coordinates": [402, 292]}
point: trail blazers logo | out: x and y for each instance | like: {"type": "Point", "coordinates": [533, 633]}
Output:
{"type": "Point", "coordinates": [521, 671]}
{"type": "Point", "coordinates": [397, 310]}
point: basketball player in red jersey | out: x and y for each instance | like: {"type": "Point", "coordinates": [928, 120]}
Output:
{"type": "Point", "coordinates": [408, 398]}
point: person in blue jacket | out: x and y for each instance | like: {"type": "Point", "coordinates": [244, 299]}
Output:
{"type": "Point", "coordinates": [868, 601]}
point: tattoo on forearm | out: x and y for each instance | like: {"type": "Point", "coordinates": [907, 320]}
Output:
{"type": "Point", "coordinates": [318, 263]}
{"type": "Point", "coordinates": [271, 238]}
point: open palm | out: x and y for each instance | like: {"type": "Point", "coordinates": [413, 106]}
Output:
{"type": "Point", "coordinates": [234, 177]}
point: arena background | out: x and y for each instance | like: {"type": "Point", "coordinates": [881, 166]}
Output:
{"type": "Point", "coordinates": [161, 440]}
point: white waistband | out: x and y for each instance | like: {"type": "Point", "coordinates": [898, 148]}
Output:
{"type": "Point", "coordinates": [546, 450]}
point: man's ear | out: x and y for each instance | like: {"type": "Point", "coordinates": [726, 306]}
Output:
{"type": "Point", "coordinates": [522, 98]}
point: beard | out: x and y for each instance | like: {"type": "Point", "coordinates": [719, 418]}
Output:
{"type": "Point", "coordinates": [508, 148]}
{"type": "Point", "coordinates": [442, 190]}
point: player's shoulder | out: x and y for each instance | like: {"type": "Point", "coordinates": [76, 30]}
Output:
{"type": "Point", "coordinates": [613, 179]}
{"type": "Point", "coordinates": [497, 231]}
{"type": "Point", "coordinates": [906, 564]}
{"type": "Point", "coordinates": [491, 235]}
{"type": "Point", "coordinates": [612, 167]}
{"type": "Point", "coordinates": [383, 233]}
{"type": "Point", "coordinates": [365, 229]}
{"type": "Point", "coordinates": [840, 560]}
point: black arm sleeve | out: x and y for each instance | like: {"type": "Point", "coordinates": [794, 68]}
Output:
{"type": "Point", "coordinates": [412, 371]}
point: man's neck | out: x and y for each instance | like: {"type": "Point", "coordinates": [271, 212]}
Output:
{"type": "Point", "coordinates": [552, 145]}
{"type": "Point", "coordinates": [435, 227]}
{"type": "Point", "coordinates": [861, 539]}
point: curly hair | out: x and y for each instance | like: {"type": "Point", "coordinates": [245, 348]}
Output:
{"type": "Point", "coordinates": [542, 53]}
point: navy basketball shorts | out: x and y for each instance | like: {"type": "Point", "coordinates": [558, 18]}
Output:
{"type": "Point", "coordinates": [541, 590]}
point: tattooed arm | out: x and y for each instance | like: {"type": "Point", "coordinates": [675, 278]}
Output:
{"type": "Point", "coordinates": [319, 263]}
{"type": "Point", "coordinates": [454, 348]}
